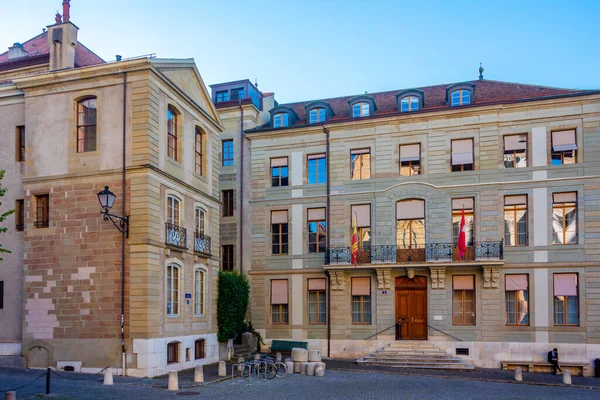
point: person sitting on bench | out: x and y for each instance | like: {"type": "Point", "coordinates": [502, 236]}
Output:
{"type": "Point", "coordinates": [553, 359]}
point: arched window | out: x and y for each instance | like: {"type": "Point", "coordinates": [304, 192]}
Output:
{"type": "Point", "coordinates": [199, 149]}
{"type": "Point", "coordinates": [173, 352]}
{"type": "Point", "coordinates": [361, 109]}
{"type": "Point", "coordinates": [200, 292]}
{"type": "Point", "coordinates": [86, 125]}
{"type": "Point", "coordinates": [281, 120]}
{"type": "Point", "coordinates": [317, 115]}
{"type": "Point", "coordinates": [200, 221]}
{"type": "Point", "coordinates": [409, 103]}
{"type": "Point", "coordinates": [173, 290]}
{"type": "Point", "coordinates": [173, 210]}
{"type": "Point", "coordinates": [172, 116]}
{"type": "Point", "coordinates": [461, 97]}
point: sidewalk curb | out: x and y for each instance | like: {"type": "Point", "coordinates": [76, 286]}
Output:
{"type": "Point", "coordinates": [466, 378]}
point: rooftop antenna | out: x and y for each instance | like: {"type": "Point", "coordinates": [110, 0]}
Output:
{"type": "Point", "coordinates": [256, 83]}
{"type": "Point", "coordinates": [480, 72]}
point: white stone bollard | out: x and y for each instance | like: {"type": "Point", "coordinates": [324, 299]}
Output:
{"type": "Point", "coordinates": [173, 381]}
{"type": "Point", "coordinates": [297, 366]}
{"type": "Point", "coordinates": [299, 354]}
{"type": "Point", "coordinates": [314, 355]}
{"type": "Point", "coordinates": [289, 365]}
{"type": "Point", "coordinates": [278, 357]}
{"type": "Point", "coordinates": [567, 377]}
{"type": "Point", "coordinates": [240, 368]}
{"type": "Point", "coordinates": [199, 374]}
{"type": "Point", "coordinates": [310, 368]}
{"type": "Point", "coordinates": [108, 376]}
{"type": "Point", "coordinates": [10, 396]}
{"type": "Point", "coordinates": [303, 367]}
{"type": "Point", "coordinates": [320, 369]}
{"type": "Point", "coordinates": [222, 368]}
{"type": "Point", "coordinates": [518, 374]}
{"type": "Point", "coordinates": [288, 359]}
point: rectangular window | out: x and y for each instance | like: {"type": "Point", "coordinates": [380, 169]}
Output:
{"type": "Point", "coordinates": [227, 152]}
{"type": "Point", "coordinates": [517, 299]}
{"type": "Point", "coordinates": [227, 257]}
{"type": "Point", "coordinates": [564, 147]}
{"type": "Point", "coordinates": [410, 159]}
{"type": "Point", "coordinates": [564, 218]}
{"type": "Point", "coordinates": [199, 150]}
{"type": "Point", "coordinates": [1, 295]}
{"type": "Point", "coordinates": [361, 301]}
{"type": "Point", "coordinates": [317, 313]}
{"type": "Point", "coordinates": [462, 155]}
{"type": "Point", "coordinates": [515, 220]}
{"type": "Point", "coordinates": [317, 169]}
{"type": "Point", "coordinates": [86, 125]}
{"type": "Point", "coordinates": [279, 301]}
{"type": "Point", "coordinates": [227, 198]}
{"type": "Point", "coordinates": [199, 349]}
{"type": "Point", "coordinates": [173, 353]}
{"type": "Point", "coordinates": [566, 304]}
{"type": "Point", "coordinates": [20, 143]}
{"type": "Point", "coordinates": [463, 300]}
{"type": "Point", "coordinates": [42, 211]}
{"type": "Point", "coordinates": [317, 230]}
{"type": "Point", "coordinates": [410, 224]}
{"type": "Point", "coordinates": [360, 164]}
{"type": "Point", "coordinates": [458, 205]}
{"type": "Point", "coordinates": [362, 213]}
{"type": "Point", "coordinates": [20, 215]}
{"type": "Point", "coordinates": [237, 94]}
{"type": "Point", "coordinates": [279, 172]}
{"type": "Point", "coordinates": [515, 151]}
{"type": "Point", "coordinates": [199, 295]}
{"type": "Point", "coordinates": [222, 95]}
{"type": "Point", "coordinates": [279, 232]}
{"type": "Point", "coordinates": [172, 290]}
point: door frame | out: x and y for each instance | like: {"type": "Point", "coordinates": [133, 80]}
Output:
{"type": "Point", "coordinates": [418, 282]}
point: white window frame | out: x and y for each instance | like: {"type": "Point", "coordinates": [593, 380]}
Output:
{"type": "Point", "coordinates": [174, 264]}
{"type": "Point", "coordinates": [204, 230]}
{"type": "Point", "coordinates": [200, 294]}
{"type": "Point", "coordinates": [175, 198]}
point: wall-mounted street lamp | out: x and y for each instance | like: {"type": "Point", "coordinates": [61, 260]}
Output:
{"type": "Point", "coordinates": [107, 199]}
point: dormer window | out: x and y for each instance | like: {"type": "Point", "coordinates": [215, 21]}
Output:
{"type": "Point", "coordinates": [409, 100]}
{"type": "Point", "coordinates": [360, 110]}
{"type": "Point", "coordinates": [461, 97]}
{"type": "Point", "coordinates": [280, 120]}
{"type": "Point", "coordinates": [317, 115]}
{"type": "Point", "coordinates": [409, 103]}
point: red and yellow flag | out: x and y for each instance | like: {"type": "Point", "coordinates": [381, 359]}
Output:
{"type": "Point", "coordinates": [354, 247]}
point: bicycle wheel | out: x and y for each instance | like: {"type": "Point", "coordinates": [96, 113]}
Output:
{"type": "Point", "coordinates": [281, 369]}
{"type": "Point", "coordinates": [270, 370]}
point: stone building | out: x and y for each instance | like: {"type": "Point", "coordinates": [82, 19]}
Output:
{"type": "Point", "coordinates": [520, 161]}
{"type": "Point", "coordinates": [145, 127]}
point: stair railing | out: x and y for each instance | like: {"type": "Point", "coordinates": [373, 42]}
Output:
{"type": "Point", "coordinates": [383, 330]}
{"type": "Point", "coordinates": [445, 333]}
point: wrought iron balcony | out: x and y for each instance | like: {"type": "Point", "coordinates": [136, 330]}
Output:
{"type": "Point", "coordinates": [202, 243]}
{"type": "Point", "coordinates": [431, 252]}
{"type": "Point", "coordinates": [176, 236]}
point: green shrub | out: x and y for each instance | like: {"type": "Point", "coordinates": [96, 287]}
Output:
{"type": "Point", "coordinates": [234, 295]}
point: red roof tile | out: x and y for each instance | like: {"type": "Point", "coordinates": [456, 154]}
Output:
{"type": "Point", "coordinates": [434, 98]}
{"type": "Point", "coordinates": [39, 45]}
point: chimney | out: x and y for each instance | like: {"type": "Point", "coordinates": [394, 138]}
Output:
{"type": "Point", "coordinates": [66, 9]}
{"type": "Point", "coordinates": [62, 40]}
{"type": "Point", "coordinates": [16, 51]}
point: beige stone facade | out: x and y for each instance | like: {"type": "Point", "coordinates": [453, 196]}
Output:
{"type": "Point", "coordinates": [71, 261]}
{"type": "Point", "coordinates": [491, 335]}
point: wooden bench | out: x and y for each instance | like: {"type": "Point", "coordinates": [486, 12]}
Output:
{"type": "Point", "coordinates": [544, 366]}
{"type": "Point", "coordinates": [286, 346]}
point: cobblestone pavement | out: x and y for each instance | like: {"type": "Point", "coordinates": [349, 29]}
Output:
{"type": "Point", "coordinates": [347, 385]}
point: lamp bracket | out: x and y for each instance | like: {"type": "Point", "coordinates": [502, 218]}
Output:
{"type": "Point", "coordinates": [123, 222]}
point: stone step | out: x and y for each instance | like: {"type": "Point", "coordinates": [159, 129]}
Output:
{"type": "Point", "coordinates": [431, 359]}
{"type": "Point", "coordinates": [411, 362]}
{"type": "Point", "coordinates": [421, 366]}
{"type": "Point", "coordinates": [413, 352]}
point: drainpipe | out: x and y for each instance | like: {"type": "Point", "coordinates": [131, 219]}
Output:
{"type": "Point", "coordinates": [241, 227]}
{"type": "Point", "coordinates": [327, 212]}
{"type": "Point", "coordinates": [123, 231]}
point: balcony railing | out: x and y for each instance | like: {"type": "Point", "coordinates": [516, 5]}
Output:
{"type": "Point", "coordinates": [431, 252]}
{"type": "Point", "coordinates": [176, 236]}
{"type": "Point", "coordinates": [202, 243]}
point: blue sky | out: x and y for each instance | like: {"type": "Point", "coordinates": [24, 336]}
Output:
{"type": "Point", "coordinates": [312, 49]}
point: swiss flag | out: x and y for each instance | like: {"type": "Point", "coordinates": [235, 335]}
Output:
{"type": "Point", "coordinates": [462, 237]}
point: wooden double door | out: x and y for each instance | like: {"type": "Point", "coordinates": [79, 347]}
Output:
{"type": "Point", "coordinates": [411, 308]}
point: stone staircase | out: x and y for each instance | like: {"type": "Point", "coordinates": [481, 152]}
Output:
{"type": "Point", "coordinates": [414, 354]}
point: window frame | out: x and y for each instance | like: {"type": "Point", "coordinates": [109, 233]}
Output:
{"type": "Point", "coordinates": [320, 115]}
{"type": "Point", "coordinates": [318, 295]}
{"type": "Point", "coordinates": [462, 301]}
{"type": "Point", "coordinates": [563, 206]}
{"type": "Point", "coordinates": [515, 152]}
{"type": "Point", "coordinates": [410, 226]}
{"type": "Point", "coordinates": [200, 215]}
{"type": "Point", "coordinates": [20, 215]}
{"type": "Point", "coordinates": [463, 167]}
{"type": "Point", "coordinates": [199, 349]}
{"type": "Point", "coordinates": [316, 162]}
{"type": "Point", "coordinates": [199, 292]}
{"type": "Point", "coordinates": [227, 153]}
{"type": "Point", "coordinates": [565, 302]}
{"type": "Point", "coordinates": [1, 295]}
{"type": "Point", "coordinates": [409, 164]}
{"type": "Point", "coordinates": [361, 169]}
{"type": "Point", "coordinates": [281, 120]}
{"type": "Point", "coordinates": [222, 95]}
{"type": "Point", "coordinates": [172, 133]}
{"type": "Point", "coordinates": [410, 99]}
{"type": "Point", "coordinates": [461, 93]}
{"type": "Point", "coordinates": [20, 145]}
{"type": "Point", "coordinates": [44, 221]}
{"type": "Point", "coordinates": [318, 235]}
{"type": "Point", "coordinates": [279, 179]}
{"type": "Point", "coordinates": [91, 140]}
{"type": "Point", "coordinates": [173, 290]}
{"type": "Point", "coordinates": [458, 213]}
{"type": "Point", "coordinates": [234, 93]}
{"type": "Point", "coordinates": [173, 200]}
{"type": "Point", "coordinates": [514, 208]}
{"type": "Point", "coordinates": [228, 203]}
{"type": "Point", "coordinates": [562, 153]}
{"type": "Point", "coordinates": [362, 300]}
{"type": "Point", "coordinates": [227, 257]}
{"type": "Point", "coordinates": [281, 244]}
{"type": "Point", "coordinates": [506, 323]}
{"type": "Point", "coordinates": [282, 310]}
{"type": "Point", "coordinates": [364, 109]}
{"type": "Point", "coordinates": [173, 348]}
{"type": "Point", "coordinates": [199, 153]}
{"type": "Point", "coordinates": [360, 229]}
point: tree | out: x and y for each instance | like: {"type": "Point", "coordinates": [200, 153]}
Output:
{"type": "Point", "coordinates": [234, 295]}
{"type": "Point", "coordinates": [4, 215]}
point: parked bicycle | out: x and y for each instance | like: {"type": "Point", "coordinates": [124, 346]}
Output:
{"type": "Point", "coordinates": [264, 366]}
